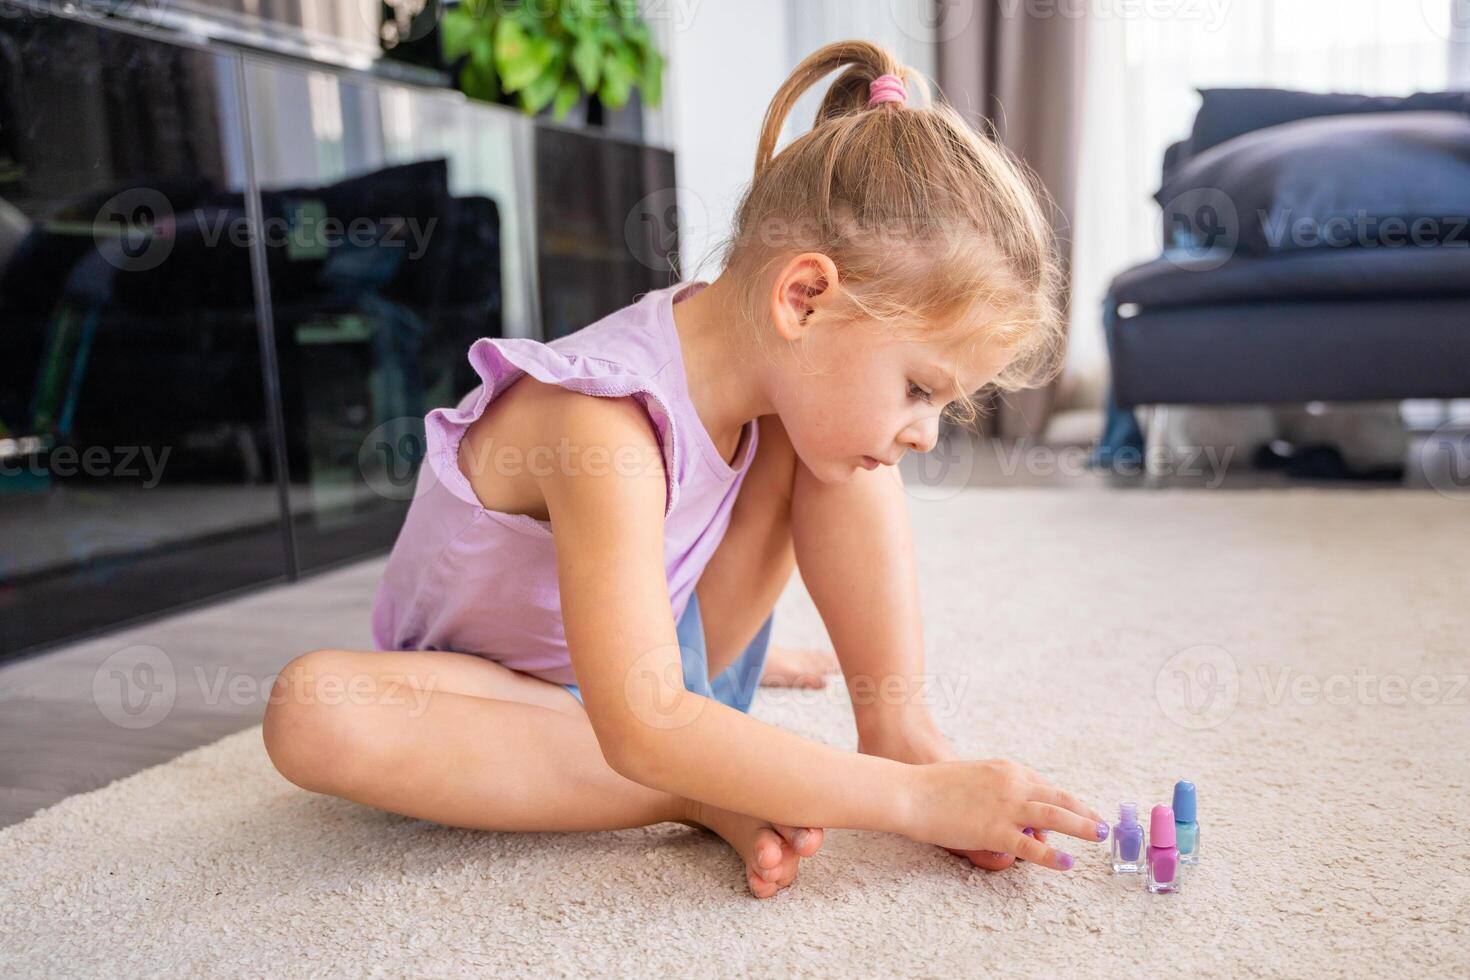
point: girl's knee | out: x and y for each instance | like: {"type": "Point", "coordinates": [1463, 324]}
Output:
{"type": "Point", "coordinates": [312, 733]}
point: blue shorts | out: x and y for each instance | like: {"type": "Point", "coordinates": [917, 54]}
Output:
{"type": "Point", "coordinates": [736, 685]}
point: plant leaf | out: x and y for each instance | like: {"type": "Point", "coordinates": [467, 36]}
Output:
{"type": "Point", "coordinates": [534, 97]}
{"type": "Point", "coordinates": [519, 58]}
{"type": "Point", "coordinates": [478, 82]}
{"type": "Point", "coordinates": [482, 54]}
{"type": "Point", "coordinates": [456, 31]}
{"type": "Point", "coordinates": [653, 77]}
{"type": "Point", "coordinates": [566, 97]}
{"type": "Point", "coordinates": [614, 91]}
{"type": "Point", "coordinates": [587, 61]}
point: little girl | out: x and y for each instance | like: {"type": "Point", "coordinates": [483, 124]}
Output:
{"type": "Point", "coordinates": [573, 621]}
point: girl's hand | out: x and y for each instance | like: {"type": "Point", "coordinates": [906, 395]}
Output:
{"type": "Point", "coordinates": [983, 805]}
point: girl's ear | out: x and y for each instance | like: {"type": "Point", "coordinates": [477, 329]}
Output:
{"type": "Point", "coordinates": [804, 285]}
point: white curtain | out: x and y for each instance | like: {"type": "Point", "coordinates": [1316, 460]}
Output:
{"type": "Point", "coordinates": [1140, 97]}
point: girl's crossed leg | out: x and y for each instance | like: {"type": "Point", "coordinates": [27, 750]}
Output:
{"type": "Point", "coordinates": [464, 741]}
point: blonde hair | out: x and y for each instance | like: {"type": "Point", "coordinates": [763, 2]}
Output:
{"type": "Point", "coordinates": [926, 219]}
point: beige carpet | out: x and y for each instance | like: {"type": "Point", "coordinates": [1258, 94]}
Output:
{"type": "Point", "coordinates": [1080, 632]}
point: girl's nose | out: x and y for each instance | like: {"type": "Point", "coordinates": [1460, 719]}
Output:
{"type": "Point", "coordinates": [922, 435]}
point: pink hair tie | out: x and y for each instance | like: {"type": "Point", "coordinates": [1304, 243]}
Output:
{"type": "Point", "coordinates": [886, 88]}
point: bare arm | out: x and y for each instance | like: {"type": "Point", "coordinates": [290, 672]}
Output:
{"type": "Point", "coordinates": [865, 585]}
{"type": "Point", "coordinates": [608, 527]}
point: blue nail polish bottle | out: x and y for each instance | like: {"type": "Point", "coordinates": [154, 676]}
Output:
{"type": "Point", "coordinates": [1128, 841]}
{"type": "Point", "coordinates": [1186, 824]}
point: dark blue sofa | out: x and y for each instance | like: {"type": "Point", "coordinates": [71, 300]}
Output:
{"type": "Point", "coordinates": [1314, 324]}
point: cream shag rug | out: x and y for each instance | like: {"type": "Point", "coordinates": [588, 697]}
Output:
{"type": "Point", "coordinates": [1299, 654]}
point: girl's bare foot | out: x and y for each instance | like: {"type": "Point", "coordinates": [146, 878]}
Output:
{"type": "Point", "coordinates": [786, 667]}
{"type": "Point", "coordinates": [771, 852]}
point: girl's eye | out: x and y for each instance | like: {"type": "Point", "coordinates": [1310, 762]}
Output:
{"type": "Point", "coordinates": [916, 392]}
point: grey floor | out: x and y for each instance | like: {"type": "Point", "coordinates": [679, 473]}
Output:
{"type": "Point", "coordinates": [79, 717]}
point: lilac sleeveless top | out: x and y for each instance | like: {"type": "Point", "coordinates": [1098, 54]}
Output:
{"type": "Point", "coordinates": [465, 578]}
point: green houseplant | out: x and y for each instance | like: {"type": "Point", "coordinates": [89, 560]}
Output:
{"type": "Point", "coordinates": [536, 53]}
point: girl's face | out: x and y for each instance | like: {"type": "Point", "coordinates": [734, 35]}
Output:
{"type": "Point", "coordinates": [852, 392]}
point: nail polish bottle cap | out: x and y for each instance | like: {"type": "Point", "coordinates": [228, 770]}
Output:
{"type": "Point", "coordinates": [1184, 801]}
{"type": "Point", "coordinates": [1127, 814]}
{"type": "Point", "coordinates": [1161, 827]}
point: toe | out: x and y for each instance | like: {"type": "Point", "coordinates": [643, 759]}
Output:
{"type": "Point", "coordinates": [760, 887]}
{"type": "Point", "coordinates": [765, 857]}
{"type": "Point", "coordinates": [806, 841]}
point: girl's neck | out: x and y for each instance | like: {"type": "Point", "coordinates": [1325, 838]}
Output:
{"type": "Point", "coordinates": [726, 384]}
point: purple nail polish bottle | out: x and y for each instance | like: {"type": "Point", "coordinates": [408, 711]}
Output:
{"type": "Point", "coordinates": [1128, 841]}
{"type": "Point", "coordinates": [1163, 856]}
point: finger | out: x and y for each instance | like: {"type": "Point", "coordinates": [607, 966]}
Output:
{"type": "Point", "coordinates": [1045, 792]}
{"type": "Point", "coordinates": [806, 841]}
{"type": "Point", "coordinates": [1033, 832]}
{"type": "Point", "coordinates": [1033, 850]}
{"type": "Point", "coordinates": [1069, 823]}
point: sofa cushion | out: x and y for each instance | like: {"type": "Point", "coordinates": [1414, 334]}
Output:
{"type": "Point", "coordinates": [1369, 180]}
{"type": "Point", "coordinates": [1339, 273]}
{"type": "Point", "coordinates": [1226, 113]}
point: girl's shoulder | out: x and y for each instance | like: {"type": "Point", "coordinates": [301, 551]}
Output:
{"type": "Point", "coordinates": [526, 435]}
{"type": "Point", "coordinates": [495, 448]}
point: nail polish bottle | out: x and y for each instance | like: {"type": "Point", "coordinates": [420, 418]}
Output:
{"type": "Point", "coordinates": [1186, 827]}
{"type": "Point", "coordinates": [1163, 856]}
{"type": "Point", "coordinates": [1128, 841]}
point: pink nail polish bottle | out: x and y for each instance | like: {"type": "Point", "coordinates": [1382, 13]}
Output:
{"type": "Point", "coordinates": [1163, 856]}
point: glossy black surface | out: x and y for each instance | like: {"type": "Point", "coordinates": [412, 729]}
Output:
{"type": "Point", "coordinates": [608, 221]}
{"type": "Point", "coordinates": [135, 464]}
